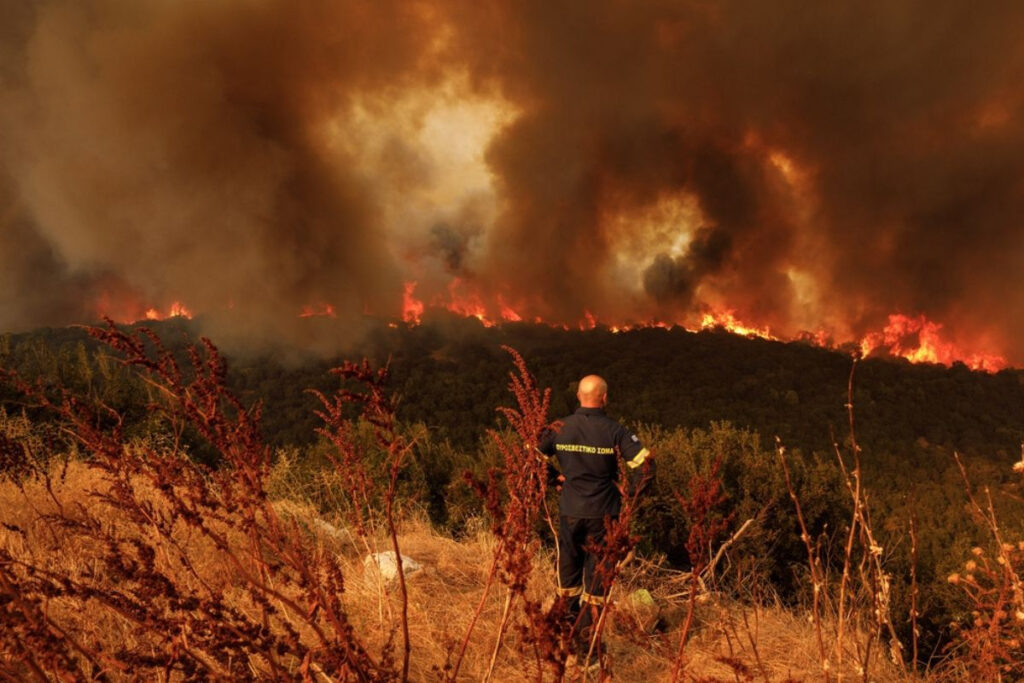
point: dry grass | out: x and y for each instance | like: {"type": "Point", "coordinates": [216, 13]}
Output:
{"type": "Point", "coordinates": [128, 560]}
{"type": "Point", "coordinates": [641, 639]}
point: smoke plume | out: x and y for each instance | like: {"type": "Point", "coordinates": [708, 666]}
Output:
{"type": "Point", "coordinates": [807, 165]}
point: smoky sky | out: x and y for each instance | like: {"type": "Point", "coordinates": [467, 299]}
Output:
{"type": "Point", "coordinates": [838, 161]}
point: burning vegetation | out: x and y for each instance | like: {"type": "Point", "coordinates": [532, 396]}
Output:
{"type": "Point", "coordinates": [284, 175]}
{"type": "Point", "coordinates": [792, 171]}
{"type": "Point", "coordinates": [914, 338]}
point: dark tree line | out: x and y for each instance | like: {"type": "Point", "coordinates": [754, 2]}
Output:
{"type": "Point", "coordinates": [449, 374]}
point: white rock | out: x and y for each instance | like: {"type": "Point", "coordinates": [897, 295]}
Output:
{"type": "Point", "coordinates": [387, 566]}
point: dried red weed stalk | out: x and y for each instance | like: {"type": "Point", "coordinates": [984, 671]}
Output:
{"type": "Point", "coordinates": [378, 409]}
{"type": "Point", "coordinates": [273, 606]}
{"type": "Point", "coordinates": [707, 524]}
{"type": "Point", "coordinates": [515, 498]}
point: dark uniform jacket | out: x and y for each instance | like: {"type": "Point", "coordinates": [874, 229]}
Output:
{"type": "Point", "coordinates": [587, 452]}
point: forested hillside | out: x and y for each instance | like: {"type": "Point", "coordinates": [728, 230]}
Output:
{"type": "Point", "coordinates": [450, 375]}
{"type": "Point", "coordinates": [708, 403]}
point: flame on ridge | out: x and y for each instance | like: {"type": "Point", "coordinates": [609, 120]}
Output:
{"type": "Point", "coordinates": [320, 310]}
{"type": "Point", "coordinates": [727, 320]}
{"type": "Point", "coordinates": [122, 307]}
{"type": "Point", "coordinates": [412, 308]}
{"type": "Point", "coordinates": [457, 301]}
{"type": "Point", "coordinates": [912, 337]}
{"type": "Point", "coordinates": [176, 310]}
{"type": "Point", "coordinates": [918, 340]}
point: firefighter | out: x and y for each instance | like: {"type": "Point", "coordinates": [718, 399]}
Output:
{"type": "Point", "coordinates": [586, 452]}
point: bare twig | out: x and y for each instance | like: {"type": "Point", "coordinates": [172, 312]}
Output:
{"type": "Point", "coordinates": [709, 571]}
{"type": "Point", "coordinates": [813, 562]}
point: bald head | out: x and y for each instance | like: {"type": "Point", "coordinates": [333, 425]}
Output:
{"type": "Point", "coordinates": [592, 392]}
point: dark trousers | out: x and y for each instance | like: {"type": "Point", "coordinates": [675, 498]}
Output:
{"type": "Point", "coordinates": [577, 579]}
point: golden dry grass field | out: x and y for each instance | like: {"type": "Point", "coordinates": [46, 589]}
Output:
{"type": "Point", "coordinates": [728, 641]}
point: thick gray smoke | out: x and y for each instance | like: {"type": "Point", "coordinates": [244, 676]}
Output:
{"type": "Point", "coordinates": [837, 161]}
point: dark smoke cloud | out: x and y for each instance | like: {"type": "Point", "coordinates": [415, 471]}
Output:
{"type": "Point", "coordinates": [844, 160]}
{"type": "Point", "coordinates": [184, 147]}
{"type": "Point", "coordinates": [453, 245]}
{"type": "Point", "coordinates": [671, 280]}
{"type": "Point", "coordinates": [903, 118]}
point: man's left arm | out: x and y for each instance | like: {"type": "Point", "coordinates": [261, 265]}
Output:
{"type": "Point", "coordinates": [639, 460]}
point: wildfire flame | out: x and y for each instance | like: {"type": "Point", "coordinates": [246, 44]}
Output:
{"type": "Point", "coordinates": [912, 337]}
{"type": "Point", "coordinates": [126, 308]}
{"type": "Point", "coordinates": [915, 338]}
{"type": "Point", "coordinates": [508, 313]}
{"type": "Point", "coordinates": [176, 310]}
{"type": "Point", "coordinates": [589, 322]}
{"type": "Point", "coordinates": [918, 340]}
{"type": "Point", "coordinates": [412, 308]}
{"type": "Point", "coordinates": [456, 301]}
{"type": "Point", "coordinates": [727, 320]}
{"type": "Point", "coordinates": [320, 310]}
{"type": "Point", "coordinates": [469, 305]}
